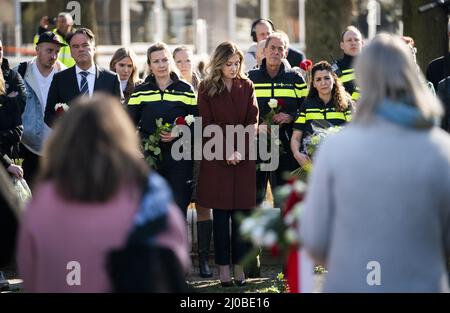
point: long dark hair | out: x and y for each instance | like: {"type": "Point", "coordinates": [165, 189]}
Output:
{"type": "Point", "coordinates": [340, 98]}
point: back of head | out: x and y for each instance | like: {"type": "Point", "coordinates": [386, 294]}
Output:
{"type": "Point", "coordinates": [386, 70]}
{"type": "Point", "coordinates": [93, 151]}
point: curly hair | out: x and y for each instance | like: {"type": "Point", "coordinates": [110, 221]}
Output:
{"type": "Point", "coordinates": [340, 98]}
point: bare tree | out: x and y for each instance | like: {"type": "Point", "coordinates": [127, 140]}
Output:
{"type": "Point", "coordinates": [325, 20]}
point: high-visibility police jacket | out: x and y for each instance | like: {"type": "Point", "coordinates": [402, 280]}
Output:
{"type": "Point", "coordinates": [288, 85]}
{"type": "Point", "coordinates": [348, 76]}
{"type": "Point", "coordinates": [64, 53]}
{"type": "Point", "coordinates": [315, 111]}
{"type": "Point", "coordinates": [148, 103]}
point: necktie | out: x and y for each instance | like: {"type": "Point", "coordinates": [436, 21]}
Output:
{"type": "Point", "coordinates": [84, 89]}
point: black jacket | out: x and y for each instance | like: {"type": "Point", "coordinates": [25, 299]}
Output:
{"type": "Point", "coordinates": [436, 71]}
{"type": "Point", "coordinates": [11, 109]}
{"type": "Point", "coordinates": [148, 103]}
{"type": "Point", "coordinates": [347, 73]}
{"type": "Point", "coordinates": [64, 89]}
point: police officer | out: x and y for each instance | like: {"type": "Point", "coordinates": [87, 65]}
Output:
{"type": "Point", "coordinates": [351, 44]}
{"type": "Point", "coordinates": [164, 95]}
{"type": "Point", "coordinates": [274, 80]}
{"type": "Point", "coordinates": [64, 26]}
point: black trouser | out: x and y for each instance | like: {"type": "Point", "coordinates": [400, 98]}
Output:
{"type": "Point", "coordinates": [223, 247]}
{"type": "Point", "coordinates": [30, 165]}
{"type": "Point", "coordinates": [179, 177]}
{"type": "Point", "coordinates": [278, 177]}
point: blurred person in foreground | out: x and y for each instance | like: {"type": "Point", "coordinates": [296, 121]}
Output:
{"type": "Point", "coordinates": [382, 224]}
{"type": "Point", "coordinates": [84, 218]}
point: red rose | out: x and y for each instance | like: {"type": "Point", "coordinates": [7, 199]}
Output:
{"type": "Point", "coordinates": [60, 110]}
{"type": "Point", "coordinates": [281, 103]}
{"type": "Point", "coordinates": [306, 64]}
{"type": "Point", "coordinates": [180, 121]}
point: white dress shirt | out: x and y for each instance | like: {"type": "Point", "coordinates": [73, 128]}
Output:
{"type": "Point", "coordinates": [90, 78]}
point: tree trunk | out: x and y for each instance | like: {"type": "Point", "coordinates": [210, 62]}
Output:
{"type": "Point", "coordinates": [325, 20]}
{"type": "Point", "coordinates": [429, 31]}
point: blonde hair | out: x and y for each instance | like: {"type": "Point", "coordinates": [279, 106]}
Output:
{"type": "Point", "coordinates": [386, 70]}
{"type": "Point", "coordinates": [93, 151]}
{"type": "Point", "coordinates": [213, 82]}
{"type": "Point", "coordinates": [2, 83]}
{"type": "Point", "coordinates": [195, 79]}
{"type": "Point", "coordinates": [161, 46]}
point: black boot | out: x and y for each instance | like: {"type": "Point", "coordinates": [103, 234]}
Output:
{"type": "Point", "coordinates": [204, 231]}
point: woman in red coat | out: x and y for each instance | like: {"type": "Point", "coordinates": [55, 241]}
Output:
{"type": "Point", "coordinates": [227, 183]}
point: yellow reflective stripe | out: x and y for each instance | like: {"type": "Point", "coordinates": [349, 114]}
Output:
{"type": "Point", "coordinates": [350, 70]}
{"type": "Point", "coordinates": [335, 115]}
{"type": "Point", "coordinates": [347, 78]}
{"type": "Point", "coordinates": [257, 85]}
{"type": "Point", "coordinates": [314, 110]}
{"type": "Point", "coordinates": [302, 92]}
{"type": "Point", "coordinates": [143, 98]}
{"type": "Point", "coordinates": [145, 92]}
{"type": "Point", "coordinates": [285, 93]}
{"type": "Point", "coordinates": [263, 93]}
{"type": "Point", "coordinates": [181, 98]}
{"type": "Point", "coordinates": [356, 95]}
{"type": "Point", "coordinates": [300, 120]}
{"type": "Point", "coordinates": [314, 116]}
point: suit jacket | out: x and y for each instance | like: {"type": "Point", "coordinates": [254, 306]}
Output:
{"type": "Point", "coordinates": [65, 88]}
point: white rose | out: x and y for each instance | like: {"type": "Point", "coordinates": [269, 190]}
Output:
{"type": "Point", "coordinates": [270, 239]}
{"type": "Point", "coordinates": [273, 103]}
{"type": "Point", "coordinates": [64, 106]}
{"type": "Point", "coordinates": [189, 119]}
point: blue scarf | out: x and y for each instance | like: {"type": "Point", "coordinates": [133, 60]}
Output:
{"type": "Point", "coordinates": [151, 218]}
{"type": "Point", "coordinates": [403, 114]}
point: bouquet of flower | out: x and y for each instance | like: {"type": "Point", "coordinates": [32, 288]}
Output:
{"type": "Point", "coordinates": [151, 144]}
{"type": "Point", "coordinates": [274, 230]}
{"type": "Point", "coordinates": [321, 130]}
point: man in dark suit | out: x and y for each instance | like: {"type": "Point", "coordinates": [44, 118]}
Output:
{"type": "Point", "coordinates": [82, 79]}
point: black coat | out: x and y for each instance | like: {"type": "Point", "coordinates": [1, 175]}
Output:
{"type": "Point", "coordinates": [64, 89]}
{"type": "Point", "coordinates": [11, 109]}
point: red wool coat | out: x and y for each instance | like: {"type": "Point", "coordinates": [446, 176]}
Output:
{"type": "Point", "coordinates": [223, 186]}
